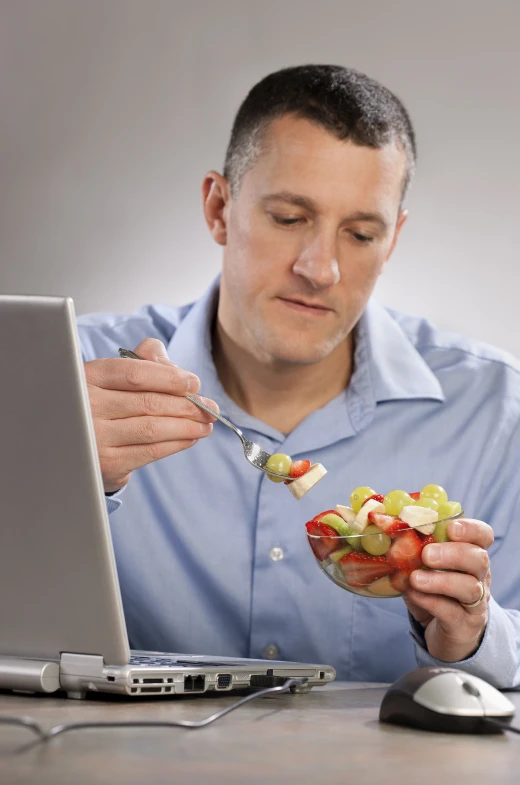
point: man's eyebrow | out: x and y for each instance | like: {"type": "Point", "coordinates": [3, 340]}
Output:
{"type": "Point", "coordinates": [309, 204]}
{"type": "Point", "coordinates": [290, 198]}
{"type": "Point", "coordinates": [372, 217]}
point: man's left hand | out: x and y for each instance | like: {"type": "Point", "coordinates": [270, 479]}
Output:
{"type": "Point", "coordinates": [436, 599]}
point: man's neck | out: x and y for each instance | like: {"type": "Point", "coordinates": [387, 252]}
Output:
{"type": "Point", "coordinates": [279, 394]}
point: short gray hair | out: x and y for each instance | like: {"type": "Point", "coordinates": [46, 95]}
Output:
{"type": "Point", "coordinates": [343, 101]}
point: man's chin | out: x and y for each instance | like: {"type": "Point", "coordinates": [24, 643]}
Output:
{"type": "Point", "coordinates": [306, 354]}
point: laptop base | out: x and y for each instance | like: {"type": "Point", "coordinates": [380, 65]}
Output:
{"type": "Point", "coordinates": [155, 673]}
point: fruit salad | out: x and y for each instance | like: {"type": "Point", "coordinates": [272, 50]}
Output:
{"type": "Point", "coordinates": [372, 546]}
{"type": "Point", "coordinates": [301, 476]}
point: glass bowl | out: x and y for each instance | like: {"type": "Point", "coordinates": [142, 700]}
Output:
{"type": "Point", "coordinates": [375, 564]}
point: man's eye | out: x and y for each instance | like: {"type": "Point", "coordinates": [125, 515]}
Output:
{"type": "Point", "coordinates": [283, 221]}
{"type": "Point", "coordinates": [362, 238]}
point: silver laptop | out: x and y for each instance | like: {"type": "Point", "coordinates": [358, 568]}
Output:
{"type": "Point", "coordinates": [61, 617]}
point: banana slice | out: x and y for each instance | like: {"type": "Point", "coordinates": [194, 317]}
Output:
{"type": "Point", "coordinates": [299, 487]}
{"type": "Point", "coordinates": [383, 588]}
{"type": "Point", "coordinates": [421, 518]}
{"type": "Point", "coordinates": [347, 513]}
{"type": "Point", "coordinates": [360, 522]}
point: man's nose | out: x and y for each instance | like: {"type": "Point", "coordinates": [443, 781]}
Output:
{"type": "Point", "coordinates": [317, 263]}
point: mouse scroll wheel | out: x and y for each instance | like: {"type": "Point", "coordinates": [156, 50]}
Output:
{"type": "Point", "coordinates": [470, 688]}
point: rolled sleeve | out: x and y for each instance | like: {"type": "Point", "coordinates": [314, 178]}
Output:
{"type": "Point", "coordinates": [496, 659]}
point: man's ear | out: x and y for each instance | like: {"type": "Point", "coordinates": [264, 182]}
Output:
{"type": "Point", "coordinates": [403, 215]}
{"type": "Point", "coordinates": [215, 198]}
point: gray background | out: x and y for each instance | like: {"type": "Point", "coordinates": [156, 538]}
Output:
{"type": "Point", "coordinates": [111, 111]}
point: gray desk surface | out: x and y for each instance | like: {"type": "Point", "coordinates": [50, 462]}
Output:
{"type": "Point", "coordinates": [330, 735]}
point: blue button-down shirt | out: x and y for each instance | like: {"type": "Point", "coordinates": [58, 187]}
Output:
{"type": "Point", "coordinates": [193, 533]}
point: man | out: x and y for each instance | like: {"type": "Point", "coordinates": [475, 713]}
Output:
{"type": "Point", "coordinates": [212, 557]}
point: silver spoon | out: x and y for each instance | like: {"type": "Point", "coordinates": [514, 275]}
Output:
{"type": "Point", "coordinates": [253, 452]}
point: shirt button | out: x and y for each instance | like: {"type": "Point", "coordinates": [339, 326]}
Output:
{"type": "Point", "coordinates": [276, 554]}
{"type": "Point", "coordinates": [271, 652]}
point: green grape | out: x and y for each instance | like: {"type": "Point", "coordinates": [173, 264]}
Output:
{"type": "Point", "coordinates": [335, 556]}
{"type": "Point", "coordinates": [279, 463]}
{"type": "Point", "coordinates": [359, 496]}
{"type": "Point", "coordinates": [337, 523]}
{"type": "Point", "coordinates": [441, 531]}
{"type": "Point", "coordinates": [449, 509]}
{"type": "Point", "coordinates": [374, 541]}
{"type": "Point", "coordinates": [395, 501]}
{"type": "Point", "coordinates": [434, 492]}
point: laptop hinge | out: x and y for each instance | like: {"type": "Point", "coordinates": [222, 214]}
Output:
{"type": "Point", "coordinates": [81, 664]}
{"type": "Point", "coordinates": [76, 670]}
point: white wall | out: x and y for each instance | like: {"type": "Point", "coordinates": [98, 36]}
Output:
{"type": "Point", "coordinates": [111, 111]}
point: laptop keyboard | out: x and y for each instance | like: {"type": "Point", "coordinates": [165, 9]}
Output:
{"type": "Point", "coordinates": [149, 660]}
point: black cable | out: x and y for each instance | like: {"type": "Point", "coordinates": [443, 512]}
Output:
{"type": "Point", "coordinates": [501, 725]}
{"type": "Point", "coordinates": [491, 721]}
{"type": "Point", "coordinates": [57, 730]}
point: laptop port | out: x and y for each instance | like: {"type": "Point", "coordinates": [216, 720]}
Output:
{"type": "Point", "coordinates": [194, 683]}
{"type": "Point", "coordinates": [261, 681]}
{"type": "Point", "coordinates": [223, 681]}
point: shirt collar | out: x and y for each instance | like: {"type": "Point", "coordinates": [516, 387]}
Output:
{"type": "Point", "coordinates": [386, 367]}
{"type": "Point", "coordinates": [397, 369]}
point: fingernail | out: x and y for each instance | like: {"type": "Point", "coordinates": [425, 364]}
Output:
{"type": "Point", "coordinates": [433, 553]}
{"type": "Point", "coordinates": [422, 579]}
{"type": "Point", "coordinates": [457, 528]}
{"type": "Point", "coordinates": [193, 384]}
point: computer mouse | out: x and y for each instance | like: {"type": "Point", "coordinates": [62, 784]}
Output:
{"type": "Point", "coordinates": [446, 700]}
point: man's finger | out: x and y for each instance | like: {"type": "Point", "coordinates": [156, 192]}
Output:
{"type": "Point", "coordinates": [460, 556]}
{"type": "Point", "coordinates": [121, 461]}
{"type": "Point", "coordinates": [152, 349]}
{"type": "Point", "coordinates": [152, 430]}
{"type": "Point", "coordinates": [455, 585]}
{"type": "Point", "coordinates": [471, 530]}
{"type": "Point", "coordinates": [140, 375]}
{"type": "Point", "coordinates": [118, 405]}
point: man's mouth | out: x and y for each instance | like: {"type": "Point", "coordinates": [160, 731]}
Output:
{"type": "Point", "coordinates": [306, 305]}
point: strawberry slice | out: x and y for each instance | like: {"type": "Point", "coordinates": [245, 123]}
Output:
{"type": "Point", "coordinates": [361, 569]}
{"type": "Point", "coordinates": [298, 468]}
{"type": "Point", "coordinates": [400, 580]}
{"type": "Point", "coordinates": [426, 539]}
{"type": "Point", "coordinates": [405, 551]}
{"type": "Point", "coordinates": [389, 524]}
{"type": "Point", "coordinates": [415, 495]}
{"type": "Point", "coordinates": [377, 497]}
{"type": "Point", "coordinates": [328, 539]}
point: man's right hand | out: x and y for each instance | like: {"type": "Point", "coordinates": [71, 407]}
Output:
{"type": "Point", "coordinates": [140, 412]}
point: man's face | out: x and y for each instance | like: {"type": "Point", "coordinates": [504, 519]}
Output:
{"type": "Point", "coordinates": [306, 238]}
